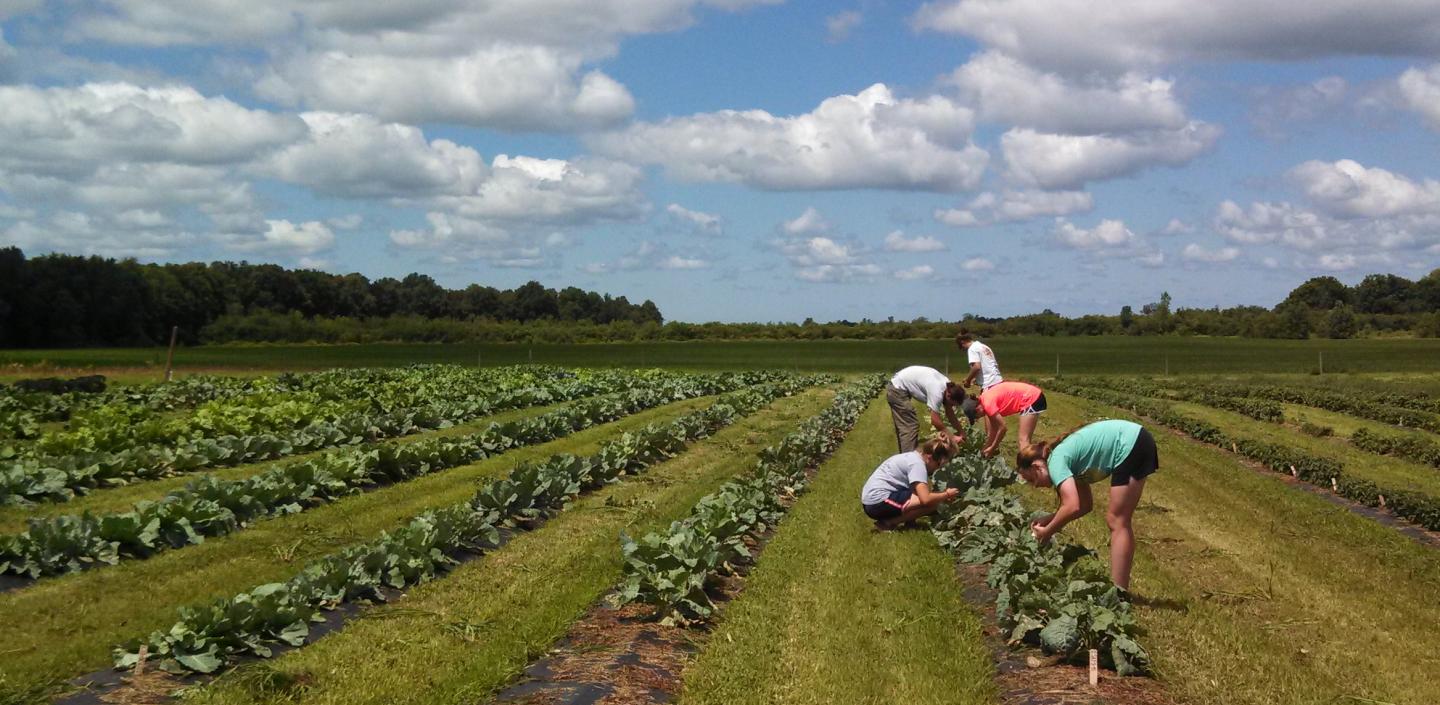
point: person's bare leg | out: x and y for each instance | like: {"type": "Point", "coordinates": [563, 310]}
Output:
{"type": "Point", "coordinates": [1118, 515]}
{"type": "Point", "coordinates": [910, 514]}
{"type": "Point", "coordinates": [1027, 429]}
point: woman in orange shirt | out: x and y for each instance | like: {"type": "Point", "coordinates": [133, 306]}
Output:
{"type": "Point", "coordinates": [1006, 399]}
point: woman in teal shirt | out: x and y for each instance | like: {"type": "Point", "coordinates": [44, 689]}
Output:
{"type": "Point", "coordinates": [1120, 450]}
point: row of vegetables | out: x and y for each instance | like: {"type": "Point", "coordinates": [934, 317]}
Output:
{"type": "Point", "coordinates": [58, 479]}
{"type": "Point", "coordinates": [674, 571]}
{"type": "Point", "coordinates": [1419, 508]}
{"type": "Point", "coordinates": [211, 507]}
{"type": "Point", "coordinates": [1180, 390]}
{"type": "Point", "coordinates": [254, 622]}
{"type": "Point", "coordinates": [1413, 448]}
{"type": "Point", "coordinates": [1365, 406]}
{"type": "Point", "coordinates": [1057, 596]}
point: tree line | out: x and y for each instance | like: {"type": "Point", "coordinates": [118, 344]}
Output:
{"type": "Point", "coordinates": [70, 301]}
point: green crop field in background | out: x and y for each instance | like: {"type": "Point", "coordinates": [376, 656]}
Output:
{"type": "Point", "coordinates": [1020, 356]}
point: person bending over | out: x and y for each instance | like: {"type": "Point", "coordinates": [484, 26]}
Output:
{"type": "Point", "coordinates": [933, 389]}
{"type": "Point", "coordinates": [1006, 399]}
{"type": "Point", "coordinates": [899, 490]}
{"type": "Point", "coordinates": [1122, 451]}
{"type": "Point", "coordinates": [982, 361]}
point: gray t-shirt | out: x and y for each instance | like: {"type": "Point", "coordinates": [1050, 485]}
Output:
{"type": "Point", "coordinates": [896, 473]}
{"type": "Point", "coordinates": [924, 383]}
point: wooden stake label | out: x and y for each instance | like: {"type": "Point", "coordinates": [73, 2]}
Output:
{"type": "Point", "coordinates": [1333, 486]}
{"type": "Point", "coordinates": [140, 665]}
{"type": "Point", "coordinates": [1094, 668]}
{"type": "Point", "coordinates": [1293, 472]}
{"type": "Point", "coordinates": [1382, 501]}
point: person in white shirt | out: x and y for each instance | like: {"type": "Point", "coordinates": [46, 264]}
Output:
{"type": "Point", "coordinates": [899, 490]}
{"type": "Point", "coordinates": [932, 388]}
{"type": "Point", "coordinates": [982, 361]}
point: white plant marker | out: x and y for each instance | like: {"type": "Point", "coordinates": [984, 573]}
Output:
{"type": "Point", "coordinates": [1094, 668]}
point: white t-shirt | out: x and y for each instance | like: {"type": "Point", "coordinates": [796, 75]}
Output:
{"type": "Point", "coordinates": [924, 383]}
{"type": "Point", "coordinates": [989, 369]}
{"type": "Point", "coordinates": [898, 472]}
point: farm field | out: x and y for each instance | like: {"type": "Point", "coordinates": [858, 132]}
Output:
{"type": "Point", "coordinates": [482, 521]}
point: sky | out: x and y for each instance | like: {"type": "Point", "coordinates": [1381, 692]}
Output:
{"type": "Point", "coordinates": [739, 160]}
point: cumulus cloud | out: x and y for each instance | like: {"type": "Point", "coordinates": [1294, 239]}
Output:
{"type": "Point", "coordinates": [1420, 91]}
{"type": "Point", "coordinates": [507, 87]}
{"type": "Point", "coordinates": [1011, 206]}
{"type": "Point", "coordinates": [287, 238]}
{"type": "Point", "coordinates": [1053, 161]}
{"type": "Point", "coordinates": [977, 264]}
{"type": "Point", "coordinates": [1009, 92]}
{"type": "Point", "coordinates": [897, 242]}
{"type": "Point", "coordinates": [1109, 239]}
{"type": "Point", "coordinates": [868, 140]}
{"type": "Point", "coordinates": [1194, 252]}
{"type": "Point", "coordinates": [1349, 189]}
{"type": "Point", "coordinates": [816, 255]}
{"type": "Point", "coordinates": [650, 256]}
{"type": "Point", "coordinates": [699, 221]}
{"type": "Point", "coordinates": [460, 239]}
{"type": "Point", "coordinates": [82, 233]}
{"type": "Point", "coordinates": [554, 192]}
{"type": "Point", "coordinates": [1080, 35]}
{"type": "Point", "coordinates": [839, 26]}
{"type": "Point", "coordinates": [357, 156]}
{"type": "Point", "coordinates": [918, 272]}
{"type": "Point", "coordinates": [808, 222]}
{"type": "Point", "coordinates": [1316, 234]}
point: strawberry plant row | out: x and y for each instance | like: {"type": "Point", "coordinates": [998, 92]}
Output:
{"type": "Point", "coordinates": [1260, 409]}
{"type": "Point", "coordinates": [1344, 402]}
{"type": "Point", "coordinates": [1417, 507]}
{"type": "Point", "coordinates": [673, 571]}
{"type": "Point", "coordinates": [59, 479]}
{"type": "Point", "coordinates": [1056, 596]}
{"type": "Point", "coordinates": [254, 622]}
{"type": "Point", "coordinates": [211, 507]}
{"type": "Point", "coordinates": [1408, 447]}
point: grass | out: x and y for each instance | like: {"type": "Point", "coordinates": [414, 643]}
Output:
{"type": "Point", "coordinates": [1257, 592]}
{"type": "Point", "coordinates": [1018, 355]}
{"type": "Point", "coordinates": [65, 626]}
{"type": "Point", "coordinates": [512, 605]}
{"type": "Point", "coordinates": [835, 613]}
{"type": "Point", "coordinates": [122, 499]}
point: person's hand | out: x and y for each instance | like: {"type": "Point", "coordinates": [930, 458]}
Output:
{"type": "Point", "coordinates": [989, 452]}
{"type": "Point", "coordinates": [952, 493]}
{"type": "Point", "coordinates": [1040, 533]}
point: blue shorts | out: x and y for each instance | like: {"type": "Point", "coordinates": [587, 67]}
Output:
{"type": "Point", "coordinates": [891, 507]}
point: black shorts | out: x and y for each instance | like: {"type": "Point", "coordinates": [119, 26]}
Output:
{"type": "Point", "coordinates": [891, 507]}
{"type": "Point", "coordinates": [1142, 462]}
{"type": "Point", "coordinates": [1037, 407]}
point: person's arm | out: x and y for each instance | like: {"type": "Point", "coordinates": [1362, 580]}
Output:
{"type": "Point", "coordinates": [994, 431]}
{"type": "Point", "coordinates": [926, 498]}
{"type": "Point", "coordinates": [1075, 502]}
{"type": "Point", "coordinates": [940, 426]}
{"type": "Point", "coordinates": [960, 430]}
{"type": "Point", "coordinates": [974, 372]}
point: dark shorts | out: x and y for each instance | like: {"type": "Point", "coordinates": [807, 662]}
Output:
{"type": "Point", "coordinates": [1036, 407]}
{"type": "Point", "coordinates": [891, 507]}
{"type": "Point", "coordinates": [1142, 462]}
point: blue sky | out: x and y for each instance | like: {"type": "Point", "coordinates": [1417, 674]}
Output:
{"type": "Point", "coordinates": [739, 159]}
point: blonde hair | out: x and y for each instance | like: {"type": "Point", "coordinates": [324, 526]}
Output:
{"type": "Point", "coordinates": [1040, 450]}
{"type": "Point", "coordinates": [937, 450]}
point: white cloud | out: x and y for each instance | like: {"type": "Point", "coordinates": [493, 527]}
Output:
{"type": "Point", "coordinates": [81, 233]}
{"type": "Point", "coordinates": [526, 190]}
{"type": "Point", "coordinates": [1081, 35]}
{"type": "Point", "coordinates": [1315, 234]}
{"type": "Point", "coordinates": [1012, 206]}
{"type": "Point", "coordinates": [1420, 91]}
{"type": "Point", "coordinates": [1196, 253]}
{"type": "Point", "coordinates": [1349, 189]}
{"type": "Point", "coordinates": [1109, 233]}
{"type": "Point", "coordinates": [868, 140]}
{"type": "Point", "coordinates": [1009, 92]}
{"type": "Point", "coordinates": [833, 273]}
{"type": "Point", "coordinates": [706, 223]}
{"type": "Point", "coordinates": [505, 86]}
{"type": "Point", "coordinates": [897, 242]}
{"type": "Point", "coordinates": [649, 256]}
{"type": "Point", "coordinates": [286, 238]}
{"type": "Point", "coordinates": [1278, 109]}
{"type": "Point", "coordinates": [977, 264]}
{"type": "Point", "coordinates": [346, 222]}
{"type": "Point", "coordinates": [357, 156]}
{"type": "Point", "coordinates": [1177, 227]}
{"type": "Point", "coordinates": [821, 258]}
{"type": "Point", "coordinates": [1066, 161]}
{"type": "Point", "coordinates": [808, 222]}
{"type": "Point", "coordinates": [916, 273]}
{"type": "Point", "coordinates": [839, 26]}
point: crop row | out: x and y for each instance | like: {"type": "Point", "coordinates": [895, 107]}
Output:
{"type": "Point", "coordinates": [1260, 409]}
{"type": "Point", "coordinates": [1323, 472]}
{"type": "Point", "coordinates": [1343, 402]}
{"type": "Point", "coordinates": [211, 507]}
{"type": "Point", "coordinates": [254, 622]}
{"type": "Point", "coordinates": [673, 571]}
{"type": "Point", "coordinates": [1056, 596]}
{"type": "Point", "coordinates": [1408, 447]}
{"type": "Point", "coordinates": [59, 479]}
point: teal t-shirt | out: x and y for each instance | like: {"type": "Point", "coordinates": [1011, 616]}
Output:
{"type": "Point", "coordinates": [1091, 452]}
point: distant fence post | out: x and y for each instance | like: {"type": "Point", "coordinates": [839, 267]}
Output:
{"type": "Point", "coordinates": [947, 364]}
{"type": "Point", "coordinates": [170, 356]}
{"type": "Point", "coordinates": [1167, 365]}
{"type": "Point", "coordinates": [1057, 364]}
{"type": "Point", "coordinates": [1322, 362]}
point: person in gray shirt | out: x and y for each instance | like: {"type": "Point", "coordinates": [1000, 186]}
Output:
{"type": "Point", "coordinates": [899, 490]}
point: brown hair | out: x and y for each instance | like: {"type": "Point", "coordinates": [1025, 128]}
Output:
{"type": "Point", "coordinates": [1040, 450]}
{"type": "Point", "coordinates": [936, 449]}
{"type": "Point", "coordinates": [965, 336]}
{"type": "Point", "coordinates": [954, 392]}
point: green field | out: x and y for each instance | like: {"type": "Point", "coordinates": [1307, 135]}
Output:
{"type": "Point", "coordinates": [1021, 356]}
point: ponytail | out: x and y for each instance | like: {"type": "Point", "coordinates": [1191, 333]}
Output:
{"type": "Point", "coordinates": [937, 450]}
{"type": "Point", "coordinates": [1041, 450]}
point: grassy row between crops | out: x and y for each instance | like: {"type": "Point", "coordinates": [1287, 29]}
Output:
{"type": "Point", "coordinates": [835, 613]}
{"type": "Point", "coordinates": [459, 639]}
{"type": "Point", "coordinates": [1254, 592]}
{"type": "Point", "coordinates": [67, 626]}
{"type": "Point", "coordinates": [121, 499]}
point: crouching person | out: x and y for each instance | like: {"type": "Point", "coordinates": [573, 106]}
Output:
{"type": "Point", "coordinates": [899, 490]}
